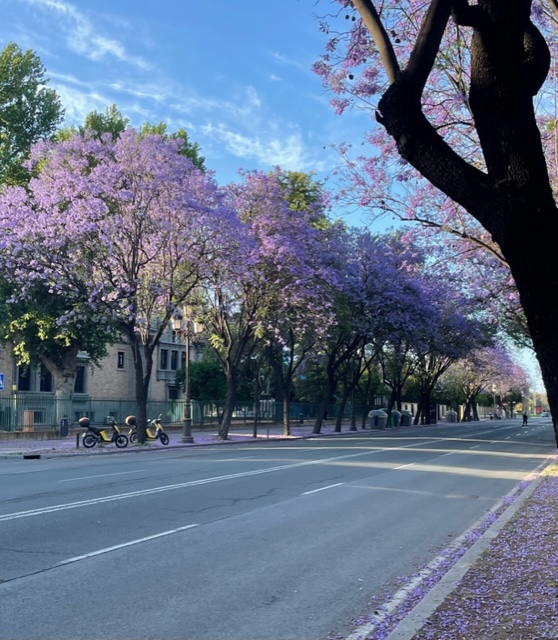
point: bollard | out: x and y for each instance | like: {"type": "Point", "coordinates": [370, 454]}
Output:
{"type": "Point", "coordinates": [77, 440]}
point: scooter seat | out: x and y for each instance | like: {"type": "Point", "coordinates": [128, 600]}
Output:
{"type": "Point", "coordinates": [95, 430]}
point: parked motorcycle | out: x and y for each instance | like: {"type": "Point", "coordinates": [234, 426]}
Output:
{"type": "Point", "coordinates": [156, 432]}
{"type": "Point", "coordinates": [96, 435]}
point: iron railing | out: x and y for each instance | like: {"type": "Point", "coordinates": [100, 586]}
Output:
{"type": "Point", "coordinates": [40, 412]}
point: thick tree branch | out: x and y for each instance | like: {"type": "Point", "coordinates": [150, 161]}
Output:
{"type": "Point", "coordinates": [372, 22]}
{"type": "Point", "coordinates": [428, 41]}
{"type": "Point", "coordinates": [400, 112]}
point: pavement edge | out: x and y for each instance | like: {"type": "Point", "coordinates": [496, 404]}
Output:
{"type": "Point", "coordinates": [416, 618]}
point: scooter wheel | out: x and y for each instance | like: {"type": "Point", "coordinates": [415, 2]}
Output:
{"type": "Point", "coordinates": [134, 437]}
{"type": "Point", "coordinates": [121, 441]}
{"type": "Point", "coordinates": [89, 440]}
{"type": "Point", "coordinates": [164, 438]}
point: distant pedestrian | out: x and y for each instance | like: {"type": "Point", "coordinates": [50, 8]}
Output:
{"type": "Point", "coordinates": [525, 418]}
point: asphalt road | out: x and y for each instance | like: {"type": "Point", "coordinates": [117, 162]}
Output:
{"type": "Point", "coordinates": [280, 540]}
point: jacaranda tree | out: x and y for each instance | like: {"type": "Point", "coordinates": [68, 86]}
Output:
{"type": "Point", "coordinates": [123, 229]}
{"type": "Point", "coordinates": [276, 266]}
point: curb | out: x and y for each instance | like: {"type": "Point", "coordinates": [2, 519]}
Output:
{"type": "Point", "coordinates": [414, 621]}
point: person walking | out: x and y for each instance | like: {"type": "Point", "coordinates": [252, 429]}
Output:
{"type": "Point", "coordinates": [525, 419]}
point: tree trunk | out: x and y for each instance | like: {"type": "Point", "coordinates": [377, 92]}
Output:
{"type": "Point", "coordinates": [64, 377]}
{"type": "Point", "coordinates": [467, 411]}
{"type": "Point", "coordinates": [326, 401]}
{"type": "Point", "coordinates": [475, 410]}
{"type": "Point", "coordinates": [286, 415]}
{"type": "Point", "coordinates": [423, 411]}
{"type": "Point", "coordinates": [230, 401]}
{"type": "Point", "coordinates": [142, 373]}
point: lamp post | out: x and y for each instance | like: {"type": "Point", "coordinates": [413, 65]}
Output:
{"type": "Point", "coordinates": [183, 330]}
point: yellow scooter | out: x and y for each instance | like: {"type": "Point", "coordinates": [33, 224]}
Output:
{"type": "Point", "coordinates": [95, 435]}
{"type": "Point", "coordinates": [156, 433]}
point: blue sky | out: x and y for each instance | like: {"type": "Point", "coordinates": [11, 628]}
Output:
{"type": "Point", "coordinates": [235, 73]}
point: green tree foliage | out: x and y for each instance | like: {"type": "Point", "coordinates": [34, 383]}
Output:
{"type": "Point", "coordinates": [303, 193]}
{"type": "Point", "coordinates": [189, 149]}
{"type": "Point", "coordinates": [29, 111]}
{"type": "Point", "coordinates": [37, 337]}
{"type": "Point", "coordinates": [112, 121]}
{"type": "Point", "coordinates": [207, 380]}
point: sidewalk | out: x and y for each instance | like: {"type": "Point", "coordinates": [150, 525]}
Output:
{"type": "Point", "coordinates": [67, 446]}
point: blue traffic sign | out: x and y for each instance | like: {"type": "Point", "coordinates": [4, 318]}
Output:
{"type": "Point", "coordinates": [1, 382]}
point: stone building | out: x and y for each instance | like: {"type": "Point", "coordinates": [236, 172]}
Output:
{"type": "Point", "coordinates": [27, 393]}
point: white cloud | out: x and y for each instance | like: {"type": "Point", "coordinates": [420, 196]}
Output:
{"type": "Point", "coordinates": [283, 59]}
{"type": "Point", "coordinates": [82, 37]}
{"type": "Point", "coordinates": [287, 152]}
{"type": "Point", "coordinates": [79, 100]}
{"type": "Point", "coordinates": [78, 103]}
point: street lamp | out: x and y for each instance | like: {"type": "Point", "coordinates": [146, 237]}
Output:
{"type": "Point", "coordinates": [184, 330]}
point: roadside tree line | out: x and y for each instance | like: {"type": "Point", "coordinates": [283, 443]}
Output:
{"type": "Point", "coordinates": [110, 231]}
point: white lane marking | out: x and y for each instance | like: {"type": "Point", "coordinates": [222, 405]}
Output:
{"type": "Point", "coordinates": [125, 544]}
{"type": "Point", "coordinates": [183, 485]}
{"type": "Point", "coordinates": [307, 493]}
{"type": "Point", "coordinates": [18, 473]}
{"type": "Point", "coordinates": [447, 454]}
{"type": "Point", "coordinates": [194, 483]}
{"type": "Point", "coordinates": [404, 466]}
{"type": "Point", "coordinates": [475, 447]}
{"type": "Point", "coordinates": [102, 475]}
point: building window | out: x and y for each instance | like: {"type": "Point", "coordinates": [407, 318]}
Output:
{"type": "Point", "coordinates": [164, 363]}
{"type": "Point", "coordinates": [173, 393]}
{"type": "Point", "coordinates": [24, 378]}
{"type": "Point", "coordinates": [120, 362]}
{"type": "Point", "coordinates": [46, 379]}
{"type": "Point", "coordinates": [80, 379]}
{"type": "Point", "coordinates": [174, 360]}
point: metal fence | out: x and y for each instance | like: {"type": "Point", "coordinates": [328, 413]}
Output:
{"type": "Point", "coordinates": [38, 412]}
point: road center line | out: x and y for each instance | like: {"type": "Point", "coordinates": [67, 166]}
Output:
{"type": "Point", "coordinates": [125, 544]}
{"type": "Point", "coordinates": [102, 475]}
